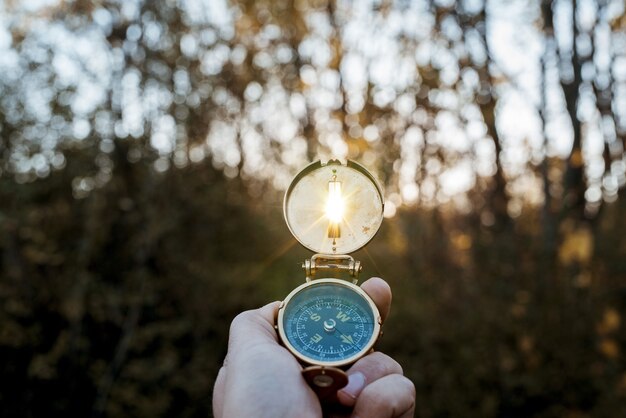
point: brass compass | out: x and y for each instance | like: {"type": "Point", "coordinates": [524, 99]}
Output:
{"type": "Point", "coordinates": [332, 209]}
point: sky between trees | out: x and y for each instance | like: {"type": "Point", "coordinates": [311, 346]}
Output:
{"type": "Point", "coordinates": [524, 95]}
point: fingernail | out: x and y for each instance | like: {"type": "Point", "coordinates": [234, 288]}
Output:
{"type": "Point", "coordinates": [356, 383]}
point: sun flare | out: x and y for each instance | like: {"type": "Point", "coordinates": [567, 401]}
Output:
{"type": "Point", "coordinates": [335, 204]}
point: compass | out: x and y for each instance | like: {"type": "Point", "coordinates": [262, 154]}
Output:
{"type": "Point", "coordinates": [327, 323]}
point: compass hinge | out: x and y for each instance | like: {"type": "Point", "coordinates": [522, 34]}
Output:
{"type": "Point", "coordinates": [332, 262]}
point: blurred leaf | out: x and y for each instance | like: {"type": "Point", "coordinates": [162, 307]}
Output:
{"type": "Point", "coordinates": [577, 246]}
{"type": "Point", "coordinates": [609, 348]}
{"type": "Point", "coordinates": [610, 322]}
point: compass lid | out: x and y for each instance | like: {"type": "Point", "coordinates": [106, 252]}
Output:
{"type": "Point", "coordinates": [334, 208]}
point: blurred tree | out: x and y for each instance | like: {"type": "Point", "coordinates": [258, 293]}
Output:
{"type": "Point", "coordinates": [144, 145]}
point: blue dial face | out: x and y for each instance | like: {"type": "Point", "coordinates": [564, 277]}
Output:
{"type": "Point", "coordinates": [328, 322]}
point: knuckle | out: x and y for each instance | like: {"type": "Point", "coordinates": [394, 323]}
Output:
{"type": "Point", "coordinates": [405, 399]}
{"type": "Point", "coordinates": [241, 319]}
{"type": "Point", "coordinates": [386, 364]}
{"type": "Point", "coordinates": [411, 387]}
{"type": "Point", "coordinates": [393, 395]}
{"type": "Point", "coordinates": [411, 396]}
{"type": "Point", "coordinates": [376, 401]}
{"type": "Point", "coordinates": [397, 367]}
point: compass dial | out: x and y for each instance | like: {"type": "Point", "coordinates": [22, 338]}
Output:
{"type": "Point", "coordinates": [329, 322]}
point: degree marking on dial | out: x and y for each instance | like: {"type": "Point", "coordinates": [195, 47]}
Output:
{"type": "Point", "coordinates": [353, 326]}
{"type": "Point", "coordinates": [344, 338]}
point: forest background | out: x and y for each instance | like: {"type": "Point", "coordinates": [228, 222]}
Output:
{"type": "Point", "coordinates": [145, 147]}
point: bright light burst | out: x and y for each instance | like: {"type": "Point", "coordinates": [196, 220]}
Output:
{"type": "Point", "coordinates": [335, 204]}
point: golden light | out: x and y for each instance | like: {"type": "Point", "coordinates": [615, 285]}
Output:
{"type": "Point", "coordinates": [335, 205]}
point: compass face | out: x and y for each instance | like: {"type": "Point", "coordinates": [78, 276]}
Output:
{"type": "Point", "coordinates": [329, 322]}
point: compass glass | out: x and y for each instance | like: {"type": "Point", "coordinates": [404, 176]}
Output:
{"type": "Point", "coordinates": [333, 208]}
{"type": "Point", "coordinates": [329, 322]}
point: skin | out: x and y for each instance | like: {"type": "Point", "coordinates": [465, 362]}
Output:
{"type": "Point", "coordinates": [260, 378]}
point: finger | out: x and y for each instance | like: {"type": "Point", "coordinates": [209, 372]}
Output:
{"type": "Point", "coordinates": [380, 292]}
{"type": "Point", "coordinates": [256, 325]}
{"type": "Point", "coordinates": [218, 392]}
{"type": "Point", "coordinates": [392, 396]}
{"type": "Point", "coordinates": [368, 369]}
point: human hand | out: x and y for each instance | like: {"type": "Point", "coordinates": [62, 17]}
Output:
{"type": "Point", "coordinates": [260, 378]}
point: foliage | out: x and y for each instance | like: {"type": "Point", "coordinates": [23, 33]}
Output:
{"type": "Point", "coordinates": [144, 147]}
